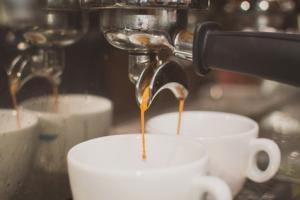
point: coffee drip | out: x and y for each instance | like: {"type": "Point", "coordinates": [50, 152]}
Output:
{"type": "Point", "coordinates": [144, 107]}
{"type": "Point", "coordinates": [13, 88]}
{"type": "Point", "coordinates": [180, 109]}
{"type": "Point", "coordinates": [152, 76]}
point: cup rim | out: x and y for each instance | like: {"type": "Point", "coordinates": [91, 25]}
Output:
{"type": "Point", "coordinates": [33, 122]}
{"type": "Point", "coordinates": [253, 130]}
{"type": "Point", "coordinates": [72, 162]}
{"type": "Point", "coordinates": [25, 105]}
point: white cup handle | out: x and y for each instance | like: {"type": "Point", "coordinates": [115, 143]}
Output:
{"type": "Point", "coordinates": [273, 152]}
{"type": "Point", "coordinates": [211, 185]}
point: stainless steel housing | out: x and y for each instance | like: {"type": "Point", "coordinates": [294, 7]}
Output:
{"type": "Point", "coordinates": [142, 30]}
{"type": "Point", "coordinates": [148, 4]}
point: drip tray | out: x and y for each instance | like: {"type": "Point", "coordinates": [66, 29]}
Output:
{"type": "Point", "coordinates": [273, 190]}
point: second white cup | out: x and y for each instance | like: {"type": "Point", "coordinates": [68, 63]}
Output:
{"type": "Point", "coordinates": [231, 143]}
{"type": "Point", "coordinates": [17, 148]}
{"type": "Point", "coordinates": [78, 118]}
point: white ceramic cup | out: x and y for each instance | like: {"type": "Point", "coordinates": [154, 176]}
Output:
{"type": "Point", "coordinates": [231, 143]}
{"type": "Point", "coordinates": [17, 147]}
{"type": "Point", "coordinates": [111, 168]}
{"type": "Point", "coordinates": [79, 118]}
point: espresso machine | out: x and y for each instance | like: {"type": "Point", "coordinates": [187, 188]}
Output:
{"type": "Point", "coordinates": [39, 31]}
{"type": "Point", "coordinates": [159, 36]}
{"type": "Point", "coordinates": [156, 32]}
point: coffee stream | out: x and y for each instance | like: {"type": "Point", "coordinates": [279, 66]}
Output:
{"type": "Point", "coordinates": [55, 91]}
{"type": "Point", "coordinates": [144, 108]}
{"type": "Point", "coordinates": [180, 110]}
{"type": "Point", "coordinates": [13, 86]}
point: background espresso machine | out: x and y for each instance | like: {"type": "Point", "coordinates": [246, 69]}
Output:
{"type": "Point", "coordinates": [72, 44]}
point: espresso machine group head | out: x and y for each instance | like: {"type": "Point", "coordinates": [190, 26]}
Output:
{"type": "Point", "coordinates": [146, 29]}
{"type": "Point", "coordinates": [146, 33]}
{"type": "Point", "coordinates": [155, 31]}
{"type": "Point", "coordinates": [42, 29]}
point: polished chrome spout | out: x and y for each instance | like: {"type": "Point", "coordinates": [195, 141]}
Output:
{"type": "Point", "coordinates": [137, 65]}
{"type": "Point", "coordinates": [168, 75]}
{"type": "Point", "coordinates": [183, 45]}
{"type": "Point", "coordinates": [46, 63]}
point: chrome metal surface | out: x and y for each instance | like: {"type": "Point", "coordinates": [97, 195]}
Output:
{"type": "Point", "coordinates": [147, 34]}
{"type": "Point", "coordinates": [141, 31]}
{"type": "Point", "coordinates": [46, 63]}
{"type": "Point", "coordinates": [16, 13]}
{"type": "Point", "coordinates": [183, 43]}
{"type": "Point", "coordinates": [43, 28]}
{"type": "Point", "coordinates": [63, 4]}
{"type": "Point", "coordinates": [168, 75]}
{"type": "Point", "coordinates": [138, 63]}
{"type": "Point", "coordinates": [45, 23]}
{"type": "Point", "coordinates": [144, 31]}
{"type": "Point", "coordinates": [149, 4]}
{"type": "Point", "coordinates": [59, 28]}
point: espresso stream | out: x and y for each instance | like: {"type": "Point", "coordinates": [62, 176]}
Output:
{"type": "Point", "coordinates": [14, 84]}
{"type": "Point", "coordinates": [180, 110]}
{"type": "Point", "coordinates": [55, 91]}
{"type": "Point", "coordinates": [144, 107]}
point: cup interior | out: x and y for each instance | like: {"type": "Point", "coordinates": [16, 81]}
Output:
{"type": "Point", "coordinates": [8, 122]}
{"type": "Point", "coordinates": [204, 124]}
{"type": "Point", "coordinates": [68, 104]}
{"type": "Point", "coordinates": [123, 153]}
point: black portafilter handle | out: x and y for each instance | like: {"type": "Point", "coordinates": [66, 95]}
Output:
{"type": "Point", "coordinates": [273, 56]}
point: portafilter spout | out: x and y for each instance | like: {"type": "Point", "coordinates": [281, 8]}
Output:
{"type": "Point", "coordinates": [46, 27]}
{"type": "Point", "coordinates": [147, 36]}
{"type": "Point", "coordinates": [147, 70]}
{"type": "Point", "coordinates": [46, 63]}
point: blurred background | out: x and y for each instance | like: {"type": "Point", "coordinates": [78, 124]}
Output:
{"type": "Point", "coordinates": [95, 67]}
